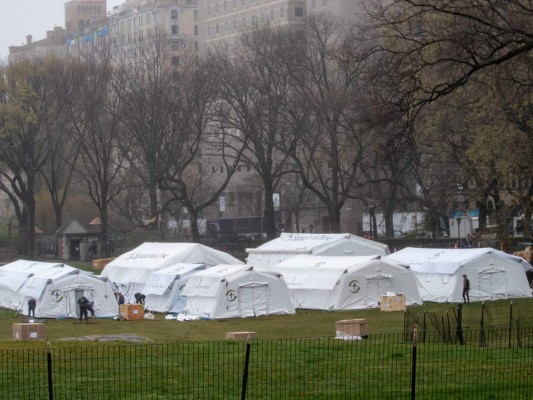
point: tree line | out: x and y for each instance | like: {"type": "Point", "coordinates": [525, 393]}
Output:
{"type": "Point", "coordinates": [417, 103]}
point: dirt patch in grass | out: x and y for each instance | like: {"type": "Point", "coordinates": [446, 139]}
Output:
{"type": "Point", "coordinates": [124, 337]}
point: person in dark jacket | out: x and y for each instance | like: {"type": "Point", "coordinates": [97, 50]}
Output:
{"type": "Point", "coordinates": [466, 289]}
{"type": "Point", "coordinates": [32, 304]}
{"type": "Point", "coordinates": [83, 302]}
{"type": "Point", "coordinates": [139, 298]}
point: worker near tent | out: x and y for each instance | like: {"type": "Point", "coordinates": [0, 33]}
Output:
{"type": "Point", "coordinates": [466, 289]}
{"type": "Point", "coordinates": [32, 304]}
{"type": "Point", "coordinates": [139, 298]}
{"type": "Point", "coordinates": [83, 302]}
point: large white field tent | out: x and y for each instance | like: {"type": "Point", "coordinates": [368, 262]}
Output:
{"type": "Point", "coordinates": [56, 288]}
{"type": "Point", "coordinates": [130, 271]}
{"type": "Point", "coordinates": [492, 274]}
{"type": "Point", "coordinates": [345, 283]}
{"type": "Point", "coordinates": [163, 288]}
{"type": "Point", "coordinates": [292, 244]}
{"type": "Point", "coordinates": [230, 291]}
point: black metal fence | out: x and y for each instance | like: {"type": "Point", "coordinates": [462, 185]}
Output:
{"type": "Point", "coordinates": [379, 367]}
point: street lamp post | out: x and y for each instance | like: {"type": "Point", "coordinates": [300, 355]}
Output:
{"type": "Point", "coordinates": [458, 219]}
{"type": "Point", "coordinates": [370, 216]}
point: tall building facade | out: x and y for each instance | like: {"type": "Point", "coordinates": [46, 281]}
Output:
{"type": "Point", "coordinates": [222, 21]}
{"type": "Point", "coordinates": [80, 14]}
{"type": "Point", "coordinates": [51, 46]}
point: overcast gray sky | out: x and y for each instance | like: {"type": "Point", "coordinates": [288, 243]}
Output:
{"type": "Point", "coordinates": [19, 18]}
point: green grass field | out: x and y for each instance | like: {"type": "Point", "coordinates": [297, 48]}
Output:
{"type": "Point", "coordinates": [305, 323]}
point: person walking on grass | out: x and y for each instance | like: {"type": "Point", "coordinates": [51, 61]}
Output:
{"type": "Point", "coordinates": [83, 302]}
{"type": "Point", "coordinates": [90, 308]}
{"type": "Point", "coordinates": [32, 304]}
{"type": "Point", "coordinates": [466, 289]}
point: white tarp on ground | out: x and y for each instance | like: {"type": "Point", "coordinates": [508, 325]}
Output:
{"type": "Point", "coordinates": [345, 283]}
{"type": "Point", "coordinates": [131, 270]}
{"type": "Point", "coordinates": [292, 244]}
{"type": "Point", "coordinates": [492, 274]}
{"type": "Point", "coordinates": [164, 287]}
{"type": "Point", "coordinates": [56, 289]}
{"type": "Point", "coordinates": [230, 291]}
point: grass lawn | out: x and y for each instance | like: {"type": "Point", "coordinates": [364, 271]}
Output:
{"type": "Point", "coordinates": [305, 323]}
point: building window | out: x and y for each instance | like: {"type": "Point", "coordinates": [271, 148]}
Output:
{"type": "Point", "coordinates": [175, 60]}
{"type": "Point", "coordinates": [195, 15]}
{"type": "Point", "coordinates": [221, 169]}
{"type": "Point", "coordinates": [195, 30]}
{"type": "Point", "coordinates": [282, 12]}
{"type": "Point", "coordinates": [298, 12]}
{"type": "Point", "coordinates": [209, 30]}
{"type": "Point", "coordinates": [213, 169]}
{"type": "Point", "coordinates": [175, 29]}
{"type": "Point", "coordinates": [272, 15]}
{"type": "Point", "coordinates": [208, 9]}
{"type": "Point", "coordinates": [175, 45]}
{"type": "Point", "coordinates": [217, 29]}
{"type": "Point", "coordinates": [234, 4]}
{"type": "Point", "coordinates": [174, 14]}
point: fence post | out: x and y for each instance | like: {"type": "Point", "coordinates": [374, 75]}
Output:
{"type": "Point", "coordinates": [482, 323]}
{"type": "Point", "coordinates": [49, 368]}
{"type": "Point", "coordinates": [510, 322]}
{"type": "Point", "coordinates": [413, 365]}
{"type": "Point", "coordinates": [245, 373]}
{"type": "Point", "coordinates": [460, 324]}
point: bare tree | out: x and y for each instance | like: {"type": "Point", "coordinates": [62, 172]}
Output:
{"type": "Point", "coordinates": [148, 85]}
{"type": "Point", "coordinates": [327, 114]}
{"type": "Point", "coordinates": [26, 116]}
{"type": "Point", "coordinates": [63, 150]}
{"type": "Point", "coordinates": [254, 88]}
{"type": "Point", "coordinates": [96, 116]}
{"type": "Point", "coordinates": [202, 145]}
{"type": "Point", "coordinates": [437, 47]}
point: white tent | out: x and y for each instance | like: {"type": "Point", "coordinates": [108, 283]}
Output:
{"type": "Point", "coordinates": [56, 289]}
{"type": "Point", "coordinates": [345, 283]}
{"type": "Point", "coordinates": [131, 270]}
{"type": "Point", "coordinates": [492, 274]}
{"type": "Point", "coordinates": [292, 244]}
{"type": "Point", "coordinates": [229, 291]}
{"type": "Point", "coordinates": [163, 288]}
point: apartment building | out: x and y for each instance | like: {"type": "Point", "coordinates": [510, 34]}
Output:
{"type": "Point", "coordinates": [51, 46]}
{"type": "Point", "coordinates": [222, 21]}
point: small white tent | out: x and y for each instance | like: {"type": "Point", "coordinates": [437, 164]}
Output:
{"type": "Point", "coordinates": [131, 270]}
{"type": "Point", "coordinates": [56, 289]}
{"type": "Point", "coordinates": [163, 288]}
{"type": "Point", "coordinates": [345, 283]}
{"type": "Point", "coordinates": [492, 274]}
{"type": "Point", "coordinates": [292, 244]}
{"type": "Point", "coordinates": [229, 291]}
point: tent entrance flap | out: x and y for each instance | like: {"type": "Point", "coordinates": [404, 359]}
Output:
{"type": "Point", "coordinates": [493, 281]}
{"type": "Point", "coordinates": [376, 286]}
{"type": "Point", "coordinates": [253, 300]}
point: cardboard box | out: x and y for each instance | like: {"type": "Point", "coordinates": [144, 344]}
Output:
{"type": "Point", "coordinates": [131, 312]}
{"type": "Point", "coordinates": [352, 327]}
{"type": "Point", "coordinates": [393, 303]}
{"type": "Point", "coordinates": [28, 331]}
{"type": "Point", "coordinates": [240, 335]}
{"type": "Point", "coordinates": [101, 263]}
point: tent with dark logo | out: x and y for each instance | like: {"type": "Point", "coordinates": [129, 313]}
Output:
{"type": "Point", "coordinates": [236, 291]}
{"type": "Point", "coordinates": [345, 283]}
